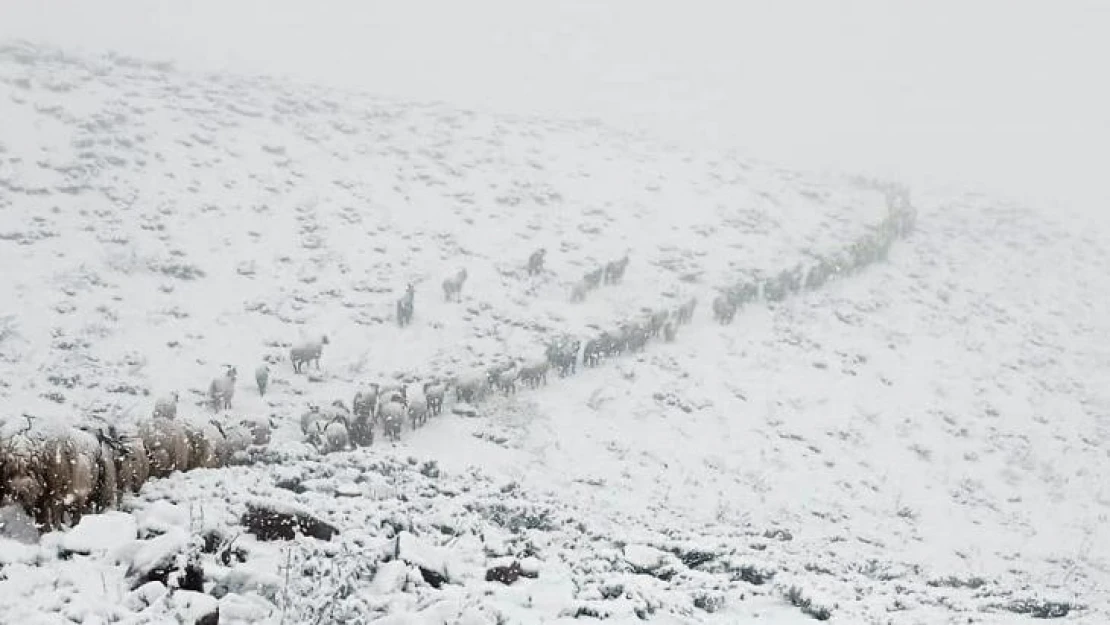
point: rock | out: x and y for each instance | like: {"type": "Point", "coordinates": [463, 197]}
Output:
{"type": "Point", "coordinates": [156, 558]}
{"type": "Point", "coordinates": [432, 561]}
{"type": "Point", "coordinates": [505, 574]}
{"type": "Point", "coordinates": [17, 525]}
{"type": "Point", "coordinates": [644, 558]}
{"type": "Point", "coordinates": [145, 596]}
{"type": "Point", "coordinates": [464, 410]}
{"type": "Point", "coordinates": [272, 520]}
{"type": "Point", "coordinates": [195, 608]}
{"type": "Point", "coordinates": [161, 517]}
{"type": "Point", "coordinates": [347, 489]}
{"type": "Point", "coordinates": [101, 532]}
{"type": "Point", "coordinates": [238, 608]}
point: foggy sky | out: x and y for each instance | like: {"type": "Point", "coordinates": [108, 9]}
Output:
{"type": "Point", "coordinates": [1012, 97]}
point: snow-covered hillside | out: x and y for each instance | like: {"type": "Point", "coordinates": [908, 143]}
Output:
{"type": "Point", "coordinates": [924, 441]}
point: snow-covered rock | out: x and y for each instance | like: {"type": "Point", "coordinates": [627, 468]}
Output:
{"type": "Point", "coordinates": [194, 608]}
{"type": "Point", "coordinates": [101, 532]}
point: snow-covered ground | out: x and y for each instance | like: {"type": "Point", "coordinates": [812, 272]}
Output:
{"type": "Point", "coordinates": [923, 442]}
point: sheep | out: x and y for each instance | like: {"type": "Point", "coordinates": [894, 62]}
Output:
{"type": "Point", "coordinates": [392, 415]}
{"type": "Point", "coordinates": [231, 439]}
{"type": "Point", "coordinates": [334, 435]}
{"type": "Point", "coordinates": [107, 487]}
{"type": "Point", "coordinates": [593, 279]}
{"type": "Point", "coordinates": [307, 353]}
{"type": "Point", "coordinates": [562, 353]}
{"type": "Point", "coordinates": [418, 411]}
{"type": "Point", "coordinates": [532, 374]}
{"type": "Point", "coordinates": [309, 421]}
{"type": "Point", "coordinates": [506, 380]}
{"type": "Point", "coordinates": [166, 407]}
{"type": "Point", "coordinates": [670, 330]}
{"type": "Point", "coordinates": [222, 389]}
{"type": "Point", "coordinates": [452, 287]}
{"type": "Point", "coordinates": [636, 337]}
{"type": "Point", "coordinates": [405, 306]}
{"type": "Point", "coordinates": [594, 351]}
{"type": "Point", "coordinates": [23, 478]}
{"type": "Point", "coordinates": [167, 446]}
{"type": "Point", "coordinates": [434, 392]}
{"type": "Point", "coordinates": [723, 309]}
{"type": "Point", "coordinates": [361, 430]}
{"type": "Point", "coordinates": [203, 439]}
{"type": "Point", "coordinates": [262, 379]}
{"type": "Point", "coordinates": [471, 387]}
{"type": "Point", "coordinates": [656, 321]}
{"type": "Point", "coordinates": [365, 402]}
{"type": "Point", "coordinates": [391, 393]}
{"type": "Point", "coordinates": [818, 274]}
{"type": "Point", "coordinates": [132, 463]}
{"type": "Point", "coordinates": [78, 482]}
{"type": "Point", "coordinates": [774, 290]}
{"type": "Point", "coordinates": [686, 311]}
{"type": "Point", "coordinates": [614, 270]}
{"type": "Point", "coordinates": [535, 262]}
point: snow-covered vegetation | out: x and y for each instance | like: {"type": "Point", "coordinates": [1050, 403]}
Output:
{"type": "Point", "coordinates": [920, 439]}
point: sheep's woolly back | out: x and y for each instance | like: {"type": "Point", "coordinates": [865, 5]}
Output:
{"type": "Point", "coordinates": [21, 470]}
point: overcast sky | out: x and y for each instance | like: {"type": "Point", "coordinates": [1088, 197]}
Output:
{"type": "Point", "coordinates": [1011, 96]}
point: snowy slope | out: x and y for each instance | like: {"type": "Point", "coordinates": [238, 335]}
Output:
{"type": "Point", "coordinates": [922, 442]}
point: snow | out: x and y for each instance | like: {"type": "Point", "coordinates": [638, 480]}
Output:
{"type": "Point", "coordinates": [923, 439]}
{"type": "Point", "coordinates": [101, 532]}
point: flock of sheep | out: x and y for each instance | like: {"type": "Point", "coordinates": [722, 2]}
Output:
{"type": "Point", "coordinates": [338, 428]}
{"type": "Point", "coordinates": [59, 474]}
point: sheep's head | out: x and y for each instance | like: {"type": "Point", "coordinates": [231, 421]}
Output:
{"type": "Point", "coordinates": [324, 339]}
{"type": "Point", "coordinates": [175, 396]}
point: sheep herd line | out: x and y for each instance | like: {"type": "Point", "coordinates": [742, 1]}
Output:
{"type": "Point", "coordinates": [57, 474]}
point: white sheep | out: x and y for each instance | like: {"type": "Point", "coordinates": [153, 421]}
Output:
{"type": "Point", "coordinates": [307, 353]}
{"type": "Point", "coordinates": [392, 415]}
{"type": "Point", "coordinates": [389, 394]}
{"type": "Point", "coordinates": [434, 392]}
{"type": "Point", "coordinates": [261, 430]}
{"type": "Point", "coordinates": [132, 463]}
{"type": "Point", "coordinates": [262, 378]}
{"type": "Point", "coordinates": [335, 436]}
{"type": "Point", "coordinates": [535, 261]}
{"type": "Point", "coordinates": [167, 446]}
{"type": "Point", "coordinates": [670, 331]}
{"type": "Point", "coordinates": [203, 438]}
{"type": "Point", "coordinates": [309, 423]}
{"type": "Point", "coordinates": [534, 373]}
{"type": "Point", "coordinates": [418, 411]}
{"type": "Point", "coordinates": [79, 480]}
{"type": "Point", "coordinates": [107, 488]}
{"type": "Point", "coordinates": [405, 306]}
{"type": "Point", "coordinates": [166, 407]}
{"type": "Point", "coordinates": [235, 438]}
{"type": "Point", "coordinates": [506, 380]}
{"type": "Point", "coordinates": [471, 387]}
{"type": "Point", "coordinates": [222, 389]}
{"type": "Point", "coordinates": [452, 287]}
{"type": "Point", "coordinates": [23, 477]}
{"type": "Point", "coordinates": [365, 403]}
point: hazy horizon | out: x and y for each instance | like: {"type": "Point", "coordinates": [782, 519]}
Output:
{"type": "Point", "coordinates": [997, 96]}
